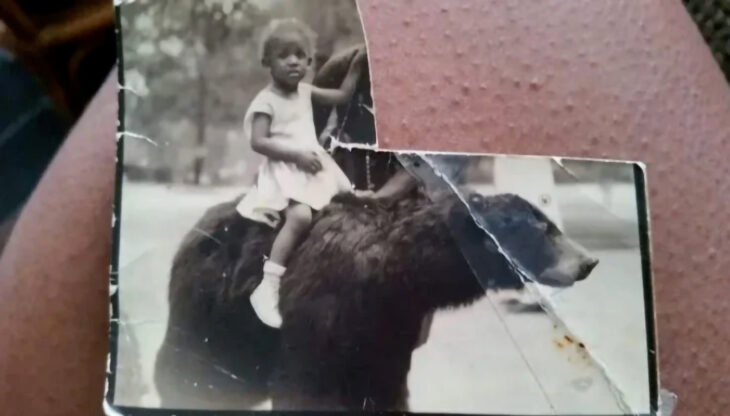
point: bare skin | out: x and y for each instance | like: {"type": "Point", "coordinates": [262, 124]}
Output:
{"type": "Point", "coordinates": [53, 285]}
{"type": "Point", "coordinates": [54, 277]}
{"type": "Point", "coordinates": [400, 184]}
{"type": "Point", "coordinates": [298, 220]}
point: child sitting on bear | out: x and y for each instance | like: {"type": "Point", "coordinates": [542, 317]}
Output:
{"type": "Point", "coordinates": [298, 175]}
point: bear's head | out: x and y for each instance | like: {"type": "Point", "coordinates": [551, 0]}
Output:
{"type": "Point", "coordinates": [522, 232]}
{"type": "Point", "coordinates": [447, 255]}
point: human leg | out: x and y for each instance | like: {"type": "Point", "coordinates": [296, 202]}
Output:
{"type": "Point", "coordinates": [297, 222]}
{"type": "Point", "coordinates": [265, 298]}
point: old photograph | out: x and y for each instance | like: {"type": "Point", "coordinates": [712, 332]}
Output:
{"type": "Point", "coordinates": [269, 257]}
{"type": "Point", "coordinates": [462, 284]}
{"type": "Point", "coordinates": [192, 70]}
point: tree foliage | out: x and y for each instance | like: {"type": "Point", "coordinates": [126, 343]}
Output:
{"type": "Point", "coordinates": [194, 64]}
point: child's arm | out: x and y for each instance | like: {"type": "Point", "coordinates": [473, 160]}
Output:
{"type": "Point", "coordinates": [331, 96]}
{"type": "Point", "coordinates": [262, 143]}
{"type": "Point", "coordinates": [398, 185]}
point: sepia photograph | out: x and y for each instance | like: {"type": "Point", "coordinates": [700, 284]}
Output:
{"type": "Point", "coordinates": [269, 257]}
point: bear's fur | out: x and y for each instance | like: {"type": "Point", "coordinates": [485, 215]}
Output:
{"type": "Point", "coordinates": [353, 300]}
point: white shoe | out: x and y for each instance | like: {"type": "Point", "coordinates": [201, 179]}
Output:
{"type": "Point", "coordinates": [265, 298]}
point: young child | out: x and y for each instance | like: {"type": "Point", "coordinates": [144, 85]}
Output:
{"type": "Point", "coordinates": [298, 176]}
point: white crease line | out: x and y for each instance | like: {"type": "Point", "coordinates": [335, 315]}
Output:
{"type": "Point", "coordinates": [130, 89]}
{"type": "Point", "coordinates": [136, 136]}
{"type": "Point", "coordinates": [337, 144]}
{"type": "Point", "coordinates": [207, 234]}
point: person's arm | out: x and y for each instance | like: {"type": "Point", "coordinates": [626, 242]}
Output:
{"type": "Point", "coordinates": [332, 96]}
{"type": "Point", "coordinates": [261, 142]}
{"type": "Point", "coordinates": [398, 185]}
{"type": "Point", "coordinates": [54, 276]}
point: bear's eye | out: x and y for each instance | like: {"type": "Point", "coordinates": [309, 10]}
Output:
{"type": "Point", "coordinates": [476, 200]}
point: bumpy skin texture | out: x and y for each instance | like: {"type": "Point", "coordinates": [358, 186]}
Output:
{"type": "Point", "coordinates": [619, 79]}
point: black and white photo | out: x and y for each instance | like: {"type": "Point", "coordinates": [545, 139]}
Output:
{"type": "Point", "coordinates": [270, 257]}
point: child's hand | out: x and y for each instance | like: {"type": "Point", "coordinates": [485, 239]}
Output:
{"type": "Point", "coordinates": [364, 194]}
{"type": "Point", "coordinates": [356, 197]}
{"type": "Point", "coordinates": [308, 161]}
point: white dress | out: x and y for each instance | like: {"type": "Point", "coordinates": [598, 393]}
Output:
{"type": "Point", "coordinates": [278, 183]}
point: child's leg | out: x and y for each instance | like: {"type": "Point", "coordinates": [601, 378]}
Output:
{"type": "Point", "coordinates": [297, 222]}
{"type": "Point", "coordinates": [265, 298]}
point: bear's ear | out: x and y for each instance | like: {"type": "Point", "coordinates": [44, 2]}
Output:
{"type": "Point", "coordinates": [542, 226]}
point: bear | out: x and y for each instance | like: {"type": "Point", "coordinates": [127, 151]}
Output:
{"type": "Point", "coordinates": [353, 299]}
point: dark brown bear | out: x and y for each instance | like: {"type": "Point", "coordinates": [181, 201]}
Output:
{"type": "Point", "coordinates": [353, 299]}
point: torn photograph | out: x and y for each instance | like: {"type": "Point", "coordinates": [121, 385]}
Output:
{"type": "Point", "coordinates": [268, 257]}
{"type": "Point", "coordinates": [196, 73]}
{"type": "Point", "coordinates": [460, 284]}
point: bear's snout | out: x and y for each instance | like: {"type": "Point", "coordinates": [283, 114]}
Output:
{"type": "Point", "coordinates": [574, 264]}
{"type": "Point", "coordinates": [586, 268]}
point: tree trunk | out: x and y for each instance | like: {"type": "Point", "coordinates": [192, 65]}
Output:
{"type": "Point", "coordinates": [201, 121]}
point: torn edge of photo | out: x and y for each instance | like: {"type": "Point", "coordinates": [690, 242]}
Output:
{"type": "Point", "coordinates": [270, 259]}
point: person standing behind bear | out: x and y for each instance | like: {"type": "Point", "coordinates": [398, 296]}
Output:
{"type": "Point", "coordinates": [298, 175]}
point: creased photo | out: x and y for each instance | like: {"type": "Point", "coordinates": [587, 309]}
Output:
{"type": "Point", "coordinates": [268, 257]}
{"type": "Point", "coordinates": [448, 288]}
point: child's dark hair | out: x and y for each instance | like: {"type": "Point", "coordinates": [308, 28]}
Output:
{"type": "Point", "coordinates": [277, 27]}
